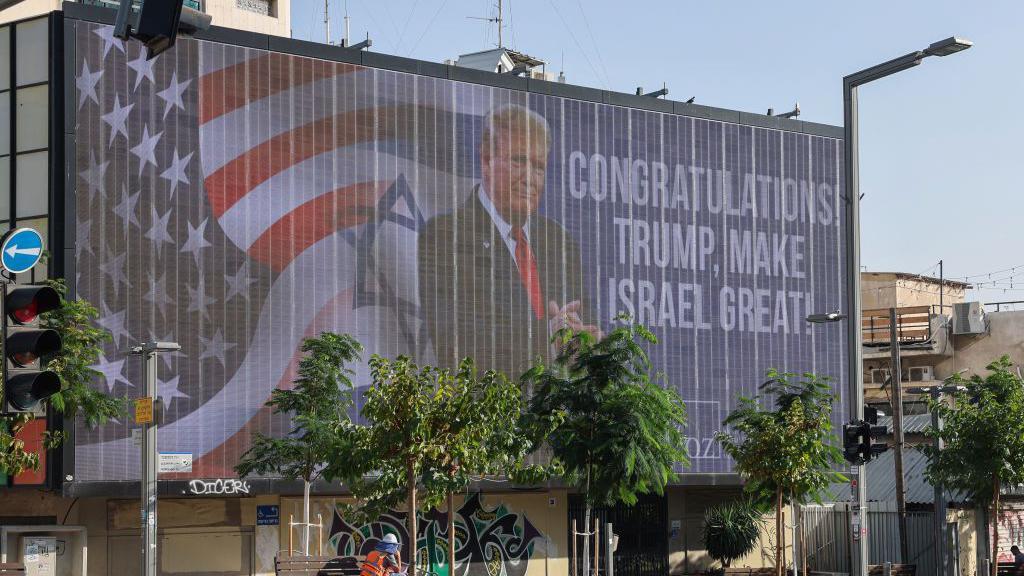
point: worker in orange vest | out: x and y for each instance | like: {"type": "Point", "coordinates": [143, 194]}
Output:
{"type": "Point", "coordinates": [384, 559]}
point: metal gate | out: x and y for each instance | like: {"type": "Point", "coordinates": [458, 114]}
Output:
{"type": "Point", "coordinates": [642, 530]}
{"type": "Point", "coordinates": [827, 534]}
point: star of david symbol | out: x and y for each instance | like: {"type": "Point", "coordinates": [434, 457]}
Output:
{"type": "Point", "coordinates": [372, 287]}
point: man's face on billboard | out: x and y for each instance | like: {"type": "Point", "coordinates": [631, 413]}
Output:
{"type": "Point", "coordinates": [514, 165]}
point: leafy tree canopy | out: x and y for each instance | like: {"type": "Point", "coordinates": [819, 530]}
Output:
{"type": "Point", "coordinates": [616, 434]}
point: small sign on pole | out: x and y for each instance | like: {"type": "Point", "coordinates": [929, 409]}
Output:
{"type": "Point", "coordinates": [171, 462]}
{"type": "Point", "coordinates": [144, 410]}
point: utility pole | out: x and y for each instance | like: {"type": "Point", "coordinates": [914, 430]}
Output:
{"type": "Point", "coordinates": [895, 373]}
{"type": "Point", "coordinates": [148, 351]}
{"type": "Point", "coordinates": [942, 287]}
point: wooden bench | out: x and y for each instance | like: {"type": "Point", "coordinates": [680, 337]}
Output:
{"type": "Point", "coordinates": [1008, 569]}
{"type": "Point", "coordinates": [12, 568]}
{"type": "Point", "coordinates": [316, 566]}
{"type": "Point", "coordinates": [750, 571]}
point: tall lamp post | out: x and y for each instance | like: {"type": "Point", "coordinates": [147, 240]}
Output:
{"type": "Point", "coordinates": [852, 175]}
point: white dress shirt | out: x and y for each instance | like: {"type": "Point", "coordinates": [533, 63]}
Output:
{"type": "Point", "coordinates": [504, 228]}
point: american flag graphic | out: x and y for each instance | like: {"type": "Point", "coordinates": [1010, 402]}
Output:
{"type": "Point", "coordinates": [237, 201]}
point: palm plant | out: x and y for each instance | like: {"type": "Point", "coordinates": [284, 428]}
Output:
{"type": "Point", "coordinates": [731, 530]}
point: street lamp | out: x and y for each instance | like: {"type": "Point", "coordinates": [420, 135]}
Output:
{"type": "Point", "coordinates": [852, 177]}
{"type": "Point", "coordinates": [826, 317]}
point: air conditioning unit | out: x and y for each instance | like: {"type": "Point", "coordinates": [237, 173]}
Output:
{"type": "Point", "coordinates": [879, 376]}
{"type": "Point", "coordinates": [969, 318]}
{"type": "Point", "coordinates": [921, 373]}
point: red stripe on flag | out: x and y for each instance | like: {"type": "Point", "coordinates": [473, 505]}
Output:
{"type": "Point", "coordinates": [235, 179]}
{"type": "Point", "coordinates": [315, 220]}
{"type": "Point", "coordinates": [231, 88]}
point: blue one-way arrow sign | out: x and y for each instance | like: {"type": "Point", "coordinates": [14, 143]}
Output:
{"type": "Point", "coordinates": [20, 250]}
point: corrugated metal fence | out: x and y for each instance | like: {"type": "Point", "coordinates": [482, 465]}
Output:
{"type": "Point", "coordinates": [827, 533]}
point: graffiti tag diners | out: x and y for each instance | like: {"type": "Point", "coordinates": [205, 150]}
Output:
{"type": "Point", "coordinates": [218, 487]}
{"type": "Point", "coordinates": [488, 542]}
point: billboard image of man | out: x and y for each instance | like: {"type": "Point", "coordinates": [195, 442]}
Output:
{"type": "Point", "coordinates": [496, 278]}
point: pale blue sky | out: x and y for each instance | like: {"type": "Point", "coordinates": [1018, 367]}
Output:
{"type": "Point", "coordinates": [941, 149]}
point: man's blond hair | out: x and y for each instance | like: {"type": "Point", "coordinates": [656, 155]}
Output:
{"type": "Point", "coordinates": [513, 118]}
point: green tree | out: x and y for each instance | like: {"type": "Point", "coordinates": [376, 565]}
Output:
{"type": "Point", "coordinates": [983, 432]}
{"type": "Point", "coordinates": [782, 443]}
{"type": "Point", "coordinates": [731, 530]}
{"type": "Point", "coordinates": [322, 430]}
{"type": "Point", "coordinates": [81, 348]}
{"type": "Point", "coordinates": [408, 435]}
{"type": "Point", "coordinates": [486, 437]}
{"type": "Point", "coordinates": [615, 433]}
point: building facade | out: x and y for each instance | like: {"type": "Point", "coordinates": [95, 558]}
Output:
{"type": "Point", "coordinates": [245, 191]}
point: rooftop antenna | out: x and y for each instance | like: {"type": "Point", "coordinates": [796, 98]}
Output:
{"type": "Point", "coordinates": [327, 21]}
{"type": "Point", "coordinates": [348, 38]}
{"type": "Point", "coordinates": [498, 20]}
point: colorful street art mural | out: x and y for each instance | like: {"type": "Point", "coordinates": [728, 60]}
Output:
{"type": "Point", "coordinates": [488, 542]}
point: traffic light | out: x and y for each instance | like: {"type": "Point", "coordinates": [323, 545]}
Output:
{"type": "Point", "coordinates": [855, 438]}
{"type": "Point", "coordinates": [158, 23]}
{"type": "Point", "coordinates": [25, 344]}
{"type": "Point", "coordinates": [861, 441]}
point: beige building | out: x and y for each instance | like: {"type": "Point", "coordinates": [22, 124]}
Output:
{"type": "Point", "coordinates": [264, 16]}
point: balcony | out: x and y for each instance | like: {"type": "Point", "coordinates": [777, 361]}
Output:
{"type": "Point", "coordinates": [921, 331]}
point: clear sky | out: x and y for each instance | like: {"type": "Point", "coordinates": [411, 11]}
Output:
{"type": "Point", "coordinates": [941, 153]}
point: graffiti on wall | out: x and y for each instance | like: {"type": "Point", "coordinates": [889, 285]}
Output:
{"type": "Point", "coordinates": [488, 542]}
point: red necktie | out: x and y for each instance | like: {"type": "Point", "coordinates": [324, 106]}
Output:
{"type": "Point", "coordinates": [528, 272]}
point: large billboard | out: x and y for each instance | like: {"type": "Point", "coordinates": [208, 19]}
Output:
{"type": "Point", "coordinates": [238, 200]}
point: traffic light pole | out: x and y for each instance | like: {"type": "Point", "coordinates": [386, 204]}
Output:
{"type": "Point", "coordinates": [149, 467]}
{"type": "Point", "coordinates": [148, 480]}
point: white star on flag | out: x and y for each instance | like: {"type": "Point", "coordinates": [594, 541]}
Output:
{"type": "Point", "coordinates": [109, 40]}
{"type": "Point", "coordinates": [177, 172]}
{"type": "Point", "coordinates": [112, 372]}
{"type": "Point", "coordinates": [117, 118]}
{"type": "Point", "coordinates": [172, 94]}
{"type": "Point", "coordinates": [86, 84]}
{"type": "Point", "coordinates": [239, 283]}
{"type": "Point", "coordinates": [145, 150]}
{"type": "Point", "coordinates": [94, 176]}
{"type": "Point", "coordinates": [114, 322]}
{"type": "Point", "coordinates": [196, 240]}
{"type": "Point", "coordinates": [158, 293]}
{"type": "Point", "coordinates": [126, 207]}
{"type": "Point", "coordinates": [83, 230]}
{"type": "Point", "coordinates": [158, 228]}
{"type": "Point", "coordinates": [143, 68]}
{"type": "Point", "coordinates": [114, 268]}
{"type": "Point", "coordinates": [214, 347]}
{"type": "Point", "coordinates": [198, 300]}
{"type": "Point", "coordinates": [168, 390]}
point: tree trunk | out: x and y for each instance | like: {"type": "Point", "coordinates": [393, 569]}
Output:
{"type": "Point", "coordinates": [451, 534]}
{"type": "Point", "coordinates": [410, 472]}
{"type": "Point", "coordinates": [995, 524]}
{"type": "Point", "coordinates": [780, 534]}
{"type": "Point", "coordinates": [305, 517]}
{"type": "Point", "coordinates": [798, 517]}
{"type": "Point", "coordinates": [586, 525]}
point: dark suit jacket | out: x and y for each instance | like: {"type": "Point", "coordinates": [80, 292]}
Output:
{"type": "Point", "coordinates": [472, 298]}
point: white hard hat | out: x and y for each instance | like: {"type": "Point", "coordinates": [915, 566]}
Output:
{"type": "Point", "coordinates": [390, 539]}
